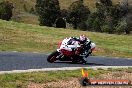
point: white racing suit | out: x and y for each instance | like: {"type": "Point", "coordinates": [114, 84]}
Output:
{"type": "Point", "coordinates": [73, 46]}
{"type": "Point", "coordinates": [69, 47]}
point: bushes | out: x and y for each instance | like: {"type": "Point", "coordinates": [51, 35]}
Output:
{"type": "Point", "coordinates": [48, 11]}
{"type": "Point", "coordinates": [6, 10]}
{"type": "Point", "coordinates": [77, 13]}
{"type": "Point", "coordinates": [60, 23]}
{"type": "Point", "coordinates": [121, 27]}
{"type": "Point", "coordinates": [107, 17]}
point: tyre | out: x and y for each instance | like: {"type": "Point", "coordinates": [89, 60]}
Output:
{"type": "Point", "coordinates": [52, 57]}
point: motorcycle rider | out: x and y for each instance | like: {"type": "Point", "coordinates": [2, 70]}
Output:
{"type": "Point", "coordinates": [75, 44]}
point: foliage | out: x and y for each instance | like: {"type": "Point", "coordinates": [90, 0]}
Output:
{"type": "Point", "coordinates": [64, 13]}
{"type": "Point", "coordinates": [95, 21]}
{"type": "Point", "coordinates": [60, 23]}
{"type": "Point", "coordinates": [48, 11]}
{"type": "Point", "coordinates": [25, 8]}
{"type": "Point", "coordinates": [6, 10]}
{"type": "Point", "coordinates": [122, 26]}
{"type": "Point", "coordinates": [83, 26]}
{"type": "Point", "coordinates": [106, 2]}
{"type": "Point", "coordinates": [125, 24]}
{"type": "Point", "coordinates": [107, 17]}
{"type": "Point", "coordinates": [105, 28]}
{"type": "Point", "coordinates": [97, 25]}
{"type": "Point", "coordinates": [129, 23]}
{"type": "Point", "coordinates": [77, 13]}
{"type": "Point", "coordinates": [32, 11]}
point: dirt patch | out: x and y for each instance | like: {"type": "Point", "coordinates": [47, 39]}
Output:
{"type": "Point", "coordinates": [74, 82]}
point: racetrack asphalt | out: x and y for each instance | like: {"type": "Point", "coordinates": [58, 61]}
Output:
{"type": "Point", "coordinates": [23, 61]}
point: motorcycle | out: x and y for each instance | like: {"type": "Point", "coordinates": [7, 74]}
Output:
{"type": "Point", "coordinates": [62, 54]}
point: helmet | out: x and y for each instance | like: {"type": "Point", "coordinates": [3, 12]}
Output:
{"type": "Point", "coordinates": [82, 38]}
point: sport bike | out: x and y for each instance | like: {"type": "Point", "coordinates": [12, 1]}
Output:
{"type": "Point", "coordinates": [62, 54]}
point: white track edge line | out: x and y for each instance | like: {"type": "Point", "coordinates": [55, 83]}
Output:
{"type": "Point", "coordinates": [62, 68]}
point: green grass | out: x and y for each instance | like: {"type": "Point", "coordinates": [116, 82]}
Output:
{"type": "Point", "coordinates": [23, 79]}
{"type": "Point", "coordinates": [33, 38]}
{"type": "Point", "coordinates": [26, 18]}
{"type": "Point", "coordinates": [22, 15]}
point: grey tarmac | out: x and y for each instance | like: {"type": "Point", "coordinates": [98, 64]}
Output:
{"type": "Point", "coordinates": [22, 61]}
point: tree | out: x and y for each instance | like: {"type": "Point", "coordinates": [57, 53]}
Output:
{"type": "Point", "coordinates": [25, 8]}
{"type": "Point", "coordinates": [106, 2]}
{"type": "Point", "coordinates": [6, 10]}
{"type": "Point", "coordinates": [48, 11]}
{"type": "Point", "coordinates": [32, 11]}
{"type": "Point", "coordinates": [128, 30]}
{"type": "Point", "coordinates": [108, 15]}
{"type": "Point", "coordinates": [97, 25]}
{"type": "Point", "coordinates": [77, 13]}
{"type": "Point", "coordinates": [124, 7]}
{"type": "Point", "coordinates": [109, 22]}
{"type": "Point", "coordinates": [64, 13]}
{"type": "Point", "coordinates": [122, 26]}
{"type": "Point", "coordinates": [60, 23]}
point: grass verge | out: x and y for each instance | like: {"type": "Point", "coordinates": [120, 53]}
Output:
{"type": "Point", "coordinates": [23, 79]}
{"type": "Point", "coordinates": [33, 38]}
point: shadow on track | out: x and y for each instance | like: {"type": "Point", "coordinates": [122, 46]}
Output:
{"type": "Point", "coordinates": [68, 62]}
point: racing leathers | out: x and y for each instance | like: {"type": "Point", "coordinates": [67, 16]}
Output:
{"type": "Point", "coordinates": [73, 44]}
{"type": "Point", "coordinates": [70, 44]}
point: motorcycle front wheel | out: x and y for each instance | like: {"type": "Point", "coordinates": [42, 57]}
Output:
{"type": "Point", "coordinates": [52, 57]}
